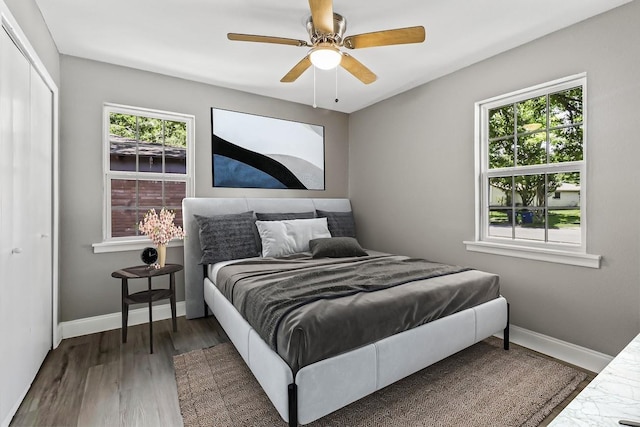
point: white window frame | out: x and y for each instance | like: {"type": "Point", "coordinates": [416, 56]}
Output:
{"type": "Point", "coordinates": [117, 244]}
{"type": "Point", "coordinates": [572, 254]}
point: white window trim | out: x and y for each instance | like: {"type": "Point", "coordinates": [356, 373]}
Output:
{"type": "Point", "coordinates": [127, 244]}
{"type": "Point", "coordinates": [533, 253]}
{"type": "Point", "coordinates": [542, 251]}
{"type": "Point", "coordinates": [117, 244]}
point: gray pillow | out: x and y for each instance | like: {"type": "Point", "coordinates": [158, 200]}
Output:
{"type": "Point", "coordinates": [284, 216]}
{"type": "Point", "coordinates": [335, 247]}
{"type": "Point", "coordinates": [341, 224]}
{"type": "Point", "coordinates": [226, 237]}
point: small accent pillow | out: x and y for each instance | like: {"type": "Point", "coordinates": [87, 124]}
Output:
{"type": "Point", "coordinates": [284, 216]}
{"type": "Point", "coordinates": [336, 247]}
{"type": "Point", "coordinates": [226, 237]}
{"type": "Point", "coordinates": [341, 224]}
{"type": "Point", "coordinates": [280, 238]}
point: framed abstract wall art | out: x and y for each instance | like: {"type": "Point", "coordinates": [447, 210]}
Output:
{"type": "Point", "coordinates": [251, 151]}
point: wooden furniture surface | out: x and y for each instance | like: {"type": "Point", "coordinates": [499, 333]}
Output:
{"type": "Point", "coordinates": [149, 295]}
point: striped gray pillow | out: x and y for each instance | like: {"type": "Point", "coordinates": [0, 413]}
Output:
{"type": "Point", "coordinates": [226, 237]}
{"type": "Point", "coordinates": [341, 224]}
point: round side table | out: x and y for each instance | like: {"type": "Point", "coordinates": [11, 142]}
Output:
{"type": "Point", "coordinates": [149, 295]}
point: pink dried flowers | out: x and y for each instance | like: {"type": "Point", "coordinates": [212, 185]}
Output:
{"type": "Point", "coordinates": [160, 228]}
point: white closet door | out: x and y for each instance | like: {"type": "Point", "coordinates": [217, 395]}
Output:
{"type": "Point", "coordinates": [41, 216]}
{"type": "Point", "coordinates": [25, 224]}
{"type": "Point", "coordinates": [14, 93]}
{"type": "Point", "coordinates": [6, 220]}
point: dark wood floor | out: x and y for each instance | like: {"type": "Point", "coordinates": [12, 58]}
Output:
{"type": "Point", "coordinates": [95, 380]}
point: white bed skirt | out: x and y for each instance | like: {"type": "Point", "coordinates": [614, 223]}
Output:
{"type": "Point", "coordinates": [333, 383]}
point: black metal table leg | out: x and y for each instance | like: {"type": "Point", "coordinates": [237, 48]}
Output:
{"type": "Point", "coordinates": [150, 319]}
{"type": "Point", "coordinates": [172, 301]}
{"type": "Point", "coordinates": [125, 310]}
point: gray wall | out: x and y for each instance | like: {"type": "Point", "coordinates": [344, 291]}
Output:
{"type": "Point", "coordinates": [410, 163]}
{"type": "Point", "coordinates": [28, 15]}
{"type": "Point", "coordinates": [411, 171]}
{"type": "Point", "coordinates": [86, 286]}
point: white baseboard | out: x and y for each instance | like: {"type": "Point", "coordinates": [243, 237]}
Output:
{"type": "Point", "coordinates": [107, 322]}
{"type": "Point", "coordinates": [57, 337]}
{"type": "Point", "coordinates": [574, 354]}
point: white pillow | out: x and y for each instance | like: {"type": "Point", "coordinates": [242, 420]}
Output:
{"type": "Point", "coordinates": [291, 236]}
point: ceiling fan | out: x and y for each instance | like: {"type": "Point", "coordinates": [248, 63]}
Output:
{"type": "Point", "coordinates": [326, 30]}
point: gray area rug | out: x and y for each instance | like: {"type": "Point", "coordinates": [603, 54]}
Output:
{"type": "Point", "coordinates": [480, 386]}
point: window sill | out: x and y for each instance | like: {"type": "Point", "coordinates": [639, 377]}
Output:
{"type": "Point", "coordinates": [128, 245]}
{"type": "Point", "coordinates": [539, 254]}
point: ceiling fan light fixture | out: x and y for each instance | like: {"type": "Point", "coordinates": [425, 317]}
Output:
{"type": "Point", "coordinates": [325, 56]}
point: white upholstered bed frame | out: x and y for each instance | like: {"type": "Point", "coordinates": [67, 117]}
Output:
{"type": "Point", "coordinates": [333, 383]}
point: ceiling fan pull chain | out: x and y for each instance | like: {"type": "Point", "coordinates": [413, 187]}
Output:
{"type": "Point", "coordinates": [314, 88]}
{"type": "Point", "coordinates": [337, 84]}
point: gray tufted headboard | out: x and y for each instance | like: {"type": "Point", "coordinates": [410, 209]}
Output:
{"type": "Point", "coordinates": [193, 271]}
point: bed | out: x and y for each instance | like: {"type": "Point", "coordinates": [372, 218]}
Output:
{"type": "Point", "coordinates": [305, 388]}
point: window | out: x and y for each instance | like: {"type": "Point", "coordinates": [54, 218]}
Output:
{"type": "Point", "coordinates": [147, 165]}
{"type": "Point", "coordinates": [532, 169]}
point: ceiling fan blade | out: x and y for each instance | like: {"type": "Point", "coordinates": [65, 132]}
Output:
{"type": "Point", "coordinates": [297, 70]}
{"type": "Point", "coordinates": [386, 38]}
{"type": "Point", "coordinates": [322, 15]}
{"type": "Point", "coordinates": [358, 70]}
{"type": "Point", "coordinates": [266, 39]}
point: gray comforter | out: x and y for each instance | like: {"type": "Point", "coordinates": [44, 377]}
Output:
{"type": "Point", "coordinates": [311, 309]}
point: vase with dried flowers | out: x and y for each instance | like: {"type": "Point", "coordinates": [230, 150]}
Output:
{"type": "Point", "coordinates": [160, 229]}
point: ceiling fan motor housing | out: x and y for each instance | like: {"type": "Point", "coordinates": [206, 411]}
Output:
{"type": "Point", "coordinates": [339, 27]}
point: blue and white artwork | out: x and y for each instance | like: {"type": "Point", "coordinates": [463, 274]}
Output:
{"type": "Point", "coordinates": [251, 151]}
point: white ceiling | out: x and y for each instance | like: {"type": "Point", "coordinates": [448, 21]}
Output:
{"type": "Point", "coordinates": [187, 39]}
